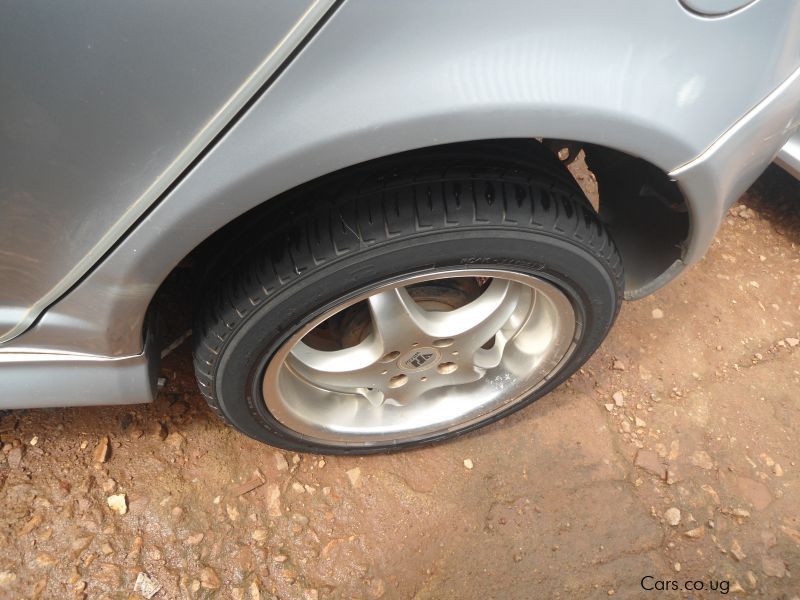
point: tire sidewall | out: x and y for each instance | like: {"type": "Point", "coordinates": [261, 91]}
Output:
{"type": "Point", "coordinates": [591, 289]}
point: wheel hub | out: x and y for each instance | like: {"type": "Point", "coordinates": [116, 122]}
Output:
{"type": "Point", "coordinates": [420, 356]}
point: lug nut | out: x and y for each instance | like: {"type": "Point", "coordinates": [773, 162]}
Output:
{"type": "Point", "coordinates": [443, 343]}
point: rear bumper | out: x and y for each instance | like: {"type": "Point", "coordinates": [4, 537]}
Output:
{"type": "Point", "coordinates": [717, 177]}
{"type": "Point", "coordinates": [788, 156]}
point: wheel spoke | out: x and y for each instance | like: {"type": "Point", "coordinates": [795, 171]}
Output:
{"type": "Point", "coordinates": [477, 322]}
{"type": "Point", "coordinates": [351, 370]}
{"type": "Point", "coordinates": [397, 319]}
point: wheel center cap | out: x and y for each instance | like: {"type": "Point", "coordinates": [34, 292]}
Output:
{"type": "Point", "coordinates": [419, 359]}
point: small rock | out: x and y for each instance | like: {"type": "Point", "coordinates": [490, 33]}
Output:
{"type": "Point", "coordinates": [609, 407]}
{"type": "Point", "coordinates": [109, 485]}
{"type": "Point", "coordinates": [273, 500]}
{"type": "Point", "coordinates": [657, 313]}
{"type": "Point", "coordinates": [280, 462]}
{"type": "Point", "coordinates": [711, 492]}
{"type": "Point", "coordinates": [32, 524]}
{"type": "Point", "coordinates": [158, 430]}
{"type": "Point", "coordinates": [792, 342]}
{"type": "Point", "coordinates": [774, 567]}
{"type": "Point", "coordinates": [295, 459]}
{"type": "Point", "coordinates": [298, 487]}
{"type": "Point", "coordinates": [7, 578]}
{"type": "Point", "coordinates": [194, 539]}
{"type": "Point", "coordinates": [259, 535]}
{"type": "Point", "coordinates": [619, 398]}
{"type": "Point", "coordinates": [106, 549]}
{"type": "Point", "coordinates": [672, 516]}
{"type": "Point", "coordinates": [310, 595]}
{"type": "Point", "coordinates": [736, 588]}
{"type": "Point", "coordinates": [209, 579]}
{"type": "Point", "coordinates": [175, 440]}
{"type": "Point", "coordinates": [649, 461]}
{"type": "Point", "coordinates": [696, 533]}
{"type": "Point", "coordinates": [321, 463]}
{"type": "Point", "coordinates": [255, 591]}
{"type": "Point", "coordinates": [354, 475]}
{"type": "Point", "coordinates": [778, 470]}
{"type": "Point", "coordinates": [15, 457]}
{"type": "Point", "coordinates": [677, 567]}
{"type": "Point", "coordinates": [618, 365]}
{"type": "Point", "coordinates": [625, 426]}
{"type": "Point", "coordinates": [701, 459]}
{"type": "Point", "coordinates": [737, 552]}
{"type": "Point", "coordinates": [468, 463]}
{"type": "Point", "coordinates": [639, 422]}
{"type": "Point", "coordinates": [233, 512]}
{"type": "Point", "coordinates": [101, 450]}
{"type": "Point", "coordinates": [118, 503]}
{"type": "Point", "coordinates": [34, 440]}
{"type": "Point", "coordinates": [146, 585]}
{"type": "Point", "coordinates": [735, 512]}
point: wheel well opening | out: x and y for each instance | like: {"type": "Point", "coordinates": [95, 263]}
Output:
{"type": "Point", "coordinates": [643, 209]}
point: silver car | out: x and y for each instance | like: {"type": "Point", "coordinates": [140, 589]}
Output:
{"type": "Point", "coordinates": [383, 243]}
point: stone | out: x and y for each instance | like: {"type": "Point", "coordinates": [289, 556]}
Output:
{"type": "Point", "coordinates": [101, 450]}
{"type": "Point", "coordinates": [30, 525]}
{"type": "Point", "coordinates": [15, 457]}
{"type": "Point", "coordinates": [618, 365]}
{"type": "Point", "coordinates": [280, 462]}
{"type": "Point", "coordinates": [118, 503]}
{"type": "Point", "coordinates": [640, 422]}
{"type": "Point", "coordinates": [773, 567]}
{"type": "Point", "coordinates": [354, 475]}
{"type": "Point", "coordinates": [701, 459]}
{"type": "Point", "coordinates": [273, 500]}
{"type": "Point", "coordinates": [778, 470]}
{"type": "Point", "coordinates": [209, 579]}
{"type": "Point", "coordinates": [657, 313]}
{"type": "Point", "coordinates": [737, 552]}
{"type": "Point", "coordinates": [712, 493]}
{"type": "Point", "coordinates": [298, 487]}
{"type": "Point", "coordinates": [696, 533]}
{"type": "Point", "coordinates": [233, 512]}
{"type": "Point", "coordinates": [649, 461]}
{"type": "Point", "coordinates": [468, 464]}
{"type": "Point", "coordinates": [157, 429]}
{"type": "Point", "coordinates": [609, 407]}
{"type": "Point", "coordinates": [259, 535]}
{"type": "Point", "coordinates": [175, 440]}
{"type": "Point", "coordinates": [7, 578]}
{"type": "Point", "coordinates": [735, 512]}
{"type": "Point", "coordinates": [146, 585]}
{"type": "Point", "coordinates": [672, 516]}
{"type": "Point", "coordinates": [619, 398]}
{"type": "Point", "coordinates": [792, 342]}
{"type": "Point", "coordinates": [195, 539]}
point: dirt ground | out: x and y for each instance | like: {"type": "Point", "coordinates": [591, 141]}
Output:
{"type": "Point", "coordinates": [672, 456]}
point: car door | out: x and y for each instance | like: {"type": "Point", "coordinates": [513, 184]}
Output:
{"type": "Point", "coordinates": [103, 104]}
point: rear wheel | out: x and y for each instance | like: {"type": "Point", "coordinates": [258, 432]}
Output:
{"type": "Point", "coordinates": [413, 308]}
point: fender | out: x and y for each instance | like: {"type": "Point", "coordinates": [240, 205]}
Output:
{"type": "Point", "coordinates": [381, 79]}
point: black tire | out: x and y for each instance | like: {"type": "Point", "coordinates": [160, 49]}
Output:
{"type": "Point", "coordinates": [432, 211]}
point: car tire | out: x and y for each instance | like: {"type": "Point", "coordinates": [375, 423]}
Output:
{"type": "Point", "coordinates": [422, 248]}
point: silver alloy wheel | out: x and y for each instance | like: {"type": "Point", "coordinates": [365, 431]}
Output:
{"type": "Point", "coordinates": [421, 368]}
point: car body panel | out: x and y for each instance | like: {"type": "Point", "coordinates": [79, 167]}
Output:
{"type": "Point", "coordinates": [103, 105]}
{"type": "Point", "coordinates": [694, 96]}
